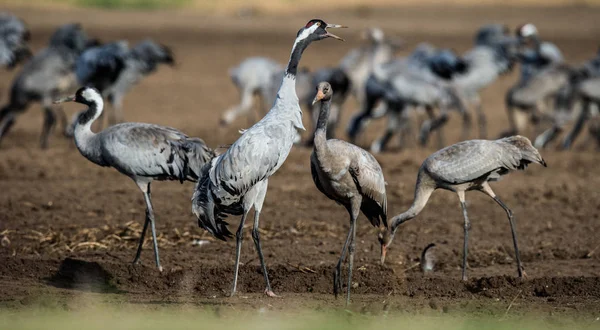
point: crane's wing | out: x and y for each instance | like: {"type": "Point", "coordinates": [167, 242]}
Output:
{"type": "Point", "coordinates": [368, 177]}
{"type": "Point", "coordinates": [152, 150]}
{"type": "Point", "coordinates": [315, 177]}
{"type": "Point", "coordinates": [252, 158]}
{"type": "Point", "coordinates": [445, 64]}
{"type": "Point", "coordinates": [101, 64]}
{"type": "Point", "coordinates": [469, 160]}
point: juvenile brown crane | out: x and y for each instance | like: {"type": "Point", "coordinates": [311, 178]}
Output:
{"type": "Point", "coordinates": [468, 165]}
{"type": "Point", "coordinates": [348, 175]}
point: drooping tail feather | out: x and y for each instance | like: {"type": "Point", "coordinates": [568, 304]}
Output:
{"type": "Point", "coordinates": [210, 217]}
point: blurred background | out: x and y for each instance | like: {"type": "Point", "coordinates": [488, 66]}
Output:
{"type": "Point", "coordinates": [56, 207]}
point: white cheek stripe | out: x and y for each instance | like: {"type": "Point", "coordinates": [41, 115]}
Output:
{"type": "Point", "coordinates": [306, 32]}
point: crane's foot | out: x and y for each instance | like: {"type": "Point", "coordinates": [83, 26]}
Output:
{"type": "Point", "coordinates": [523, 275]}
{"type": "Point", "coordinates": [160, 269]}
{"type": "Point", "coordinates": [337, 283]}
{"type": "Point", "coordinates": [270, 293]}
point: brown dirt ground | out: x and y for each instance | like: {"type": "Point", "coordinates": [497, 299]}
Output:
{"type": "Point", "coordinates": [68, 226]}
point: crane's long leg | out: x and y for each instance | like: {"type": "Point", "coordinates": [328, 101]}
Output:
{"type": "Point", "coordinates": [356, 202]}
{"type": "Point", "coordinates": [239, 237]}
{"type": "Point", "coordinates": [116, 102]}
{"type": "Point", "coordinates": [431, 125]}
{"type": "Point", "coordinates": [488, 191]}
{"type": "Point", "coordinates": [583, 117]}
{"type": "Point", "coordinates": [49, 122]}
{"type": "Point", "coordinates": [6, 122]}
{"type": "Point", "coordinates": [142, 237]}
{"type": "Point", "coordinates": [510, 113]}
{"type": "Point", "coordinates": [467, 226]}
{"type": "Point", "coordinates": [337, 279]}
{"type": "Point", "coordinates": [244, 106]}
{"type": "Point", "coordinates": [357, 122]}
{"type": "Point", "coordinates": [260, 198]}
{"type": "Point", "coordinates": [145, 188]}
{"type": "Point", "coordinates": [549, 135]}
{"type": "Point", "coordinates": [392, 127]}
{"type": "Point", "coordinates": [62, 116]}
{"type": "Point", "coordinates": [481, 118]}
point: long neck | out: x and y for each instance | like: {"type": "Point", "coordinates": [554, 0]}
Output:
{"type": "Point", "coordinates": [297, 50]}
{"type": "Point", "coordinates": [423, 190]}
{"type": "Point", "coordinates": [321, 130]}
{"type": "Point", "coordinates": [84, 137]}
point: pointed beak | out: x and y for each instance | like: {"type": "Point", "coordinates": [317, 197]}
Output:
{"type": "Point", "coordinates": [383, 253]}
{"type": "Point", "coordinates": [65, 99]}
{"type": "Point", "coordinates": [334, 26]}
{"type": "Point", "coordinates": [318, 97]}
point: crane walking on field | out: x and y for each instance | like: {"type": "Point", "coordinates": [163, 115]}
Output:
{"type": "Point", "coordinates": [236, 181]}
{"type": "Point", "coordinates": [350, 176]}
{"type": "Point", "coordinates": [143, 152]}
{"type": "Point", "coordinates": [468, 165]}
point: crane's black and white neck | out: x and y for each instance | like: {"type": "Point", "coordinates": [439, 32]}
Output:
{"type": "Point", "coordinates": [83, 134]}
{"type": "Point", "coordinates": [314, 30]}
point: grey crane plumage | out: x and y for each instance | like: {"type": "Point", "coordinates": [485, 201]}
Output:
{"type": "Point", "coordinates": [420, 84]}
{"type": "Point", "coordinates": [253, 76]}
{"type": "Point", "coordinates": [236, 181]}
{"type": "Point", "coordinates": [588, 91]}
{"type": "Point", "coordinates": [467, 165]}
{"type": "Point", "coordinates": [378, 82]}
{"type": "Point", "coordinates": [544, 77]}
{"type": "Point", "coordinates": [492, 55]}
{"type": "Point", "coordinates": [359, 63]}
{"type": "Point", "coordinates": [351, 177]}
{"type": "Point", "coordinates": [48, 75]}
{"type": "Point", "coordinates": [584, 86]}
{"type": "Point", "coordinates": [100, 66]}
{"type": "Point", "coordinates": [262, 76]}
{"type": "Point", "coordinates": [143, 152]}
{"type": "Point", "coordinates": [114, 69]}
{"type": "Point", "coordinates": [14, 36]}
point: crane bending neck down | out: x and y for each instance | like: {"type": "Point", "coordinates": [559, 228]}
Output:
{"type": "Point", "coordinates": [423, 190]}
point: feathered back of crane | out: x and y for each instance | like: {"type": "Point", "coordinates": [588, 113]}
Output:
{"type": "Point", "coordinates": [100, 66]}
{"type": "Point", "coordinates": [72, 37]}
{"type": "Point", "coordinates": [446, 63]}
{"type": "Point", "coordinates": [151, 54]}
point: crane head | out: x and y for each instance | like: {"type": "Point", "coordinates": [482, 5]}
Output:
{"type": "Point", "coordinates": [84, 95]}
{"type": "Point", "coordinates": [385, 238]}
{"type": "Point", "coordinates": [316, 29]}
{"type": "Point", "coordinates": [324, 92]}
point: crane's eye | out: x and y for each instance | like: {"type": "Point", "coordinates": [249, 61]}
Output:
{"type": "Point", "coordinates": [318, 23]}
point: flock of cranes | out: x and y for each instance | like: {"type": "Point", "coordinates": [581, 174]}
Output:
{"type": "Point", "coordinates": [236, 181]}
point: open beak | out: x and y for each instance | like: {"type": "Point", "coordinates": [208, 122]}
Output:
{"type": "Point", "coordinates": [383, 253]}
{"type": "Point", "coordinates": [334, 26]}
{"type": "Point", "coordinates": [318, 97]}
{"type": "Point", "coordinates": [65, 99]}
